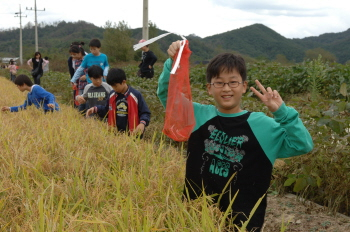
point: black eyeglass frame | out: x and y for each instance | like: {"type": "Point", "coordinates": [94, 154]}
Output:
{"type": "Point", "coordinates": [231, 84]}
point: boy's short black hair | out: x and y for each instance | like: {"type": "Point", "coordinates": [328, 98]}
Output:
{"type": "Point", "coordinates": [95, 43]}
{"type": "Point", "coordinates": [95, 71]}
{"type": "Point", "coordinates": [115, 76]}
{"type": "Point", "coordinates": [226, 62]}
{"type": "Point", "coordinates": [23, 79]}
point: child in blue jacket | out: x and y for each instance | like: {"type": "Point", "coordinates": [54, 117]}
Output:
{"type": "Point", "coordinates": [37, 96]}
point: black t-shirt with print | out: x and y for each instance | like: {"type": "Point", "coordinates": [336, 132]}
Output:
{"type": "Point", "coordinates": [122, 112]}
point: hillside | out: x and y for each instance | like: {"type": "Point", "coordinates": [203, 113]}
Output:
{"type": "Point", "coordinates": [200, 49]}
{"type": "Point", "coordinates": [54, 38]}
{"type": "Point", "coordinates": [256, 41]}
{"type": "Point", "coordinates": [337, 43]}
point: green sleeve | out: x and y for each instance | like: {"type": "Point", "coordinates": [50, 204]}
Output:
{"type": "Point", "coordinates": [282, 137]}
{"type": "Point", "coordinates": [202, 113]}
{"type": "Point", "coordinates": [163, 82]}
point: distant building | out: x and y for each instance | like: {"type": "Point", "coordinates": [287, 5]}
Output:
{"type": "Point", "coordinates": [7, 59]}
{"type": "Point", "coordinates": [4, 61]}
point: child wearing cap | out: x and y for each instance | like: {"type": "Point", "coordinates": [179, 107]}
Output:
{"type": "Point", "coordinates": [148, 59]}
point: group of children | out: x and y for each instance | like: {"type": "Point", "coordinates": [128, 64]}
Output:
{"type": "Point", "coordinates": [230, 150]}
{"type": "Point", "coordinates": [114, 100]}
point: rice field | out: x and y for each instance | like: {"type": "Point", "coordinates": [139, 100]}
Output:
{"type": "Point", "coordinates": [62, 172]}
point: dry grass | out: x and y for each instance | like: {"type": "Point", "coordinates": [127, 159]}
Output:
{"type": "Point", "coordinates": [61, 172]}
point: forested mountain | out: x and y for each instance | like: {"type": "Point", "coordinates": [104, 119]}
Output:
{"type": "Point", "coordinates": [255, 41]}
{"type": "Point", "coordinates": [201, 51]}
{"type": "Point", "coordinates": [336, 43]}
{"type": "Point", "coordinates": [53, 39]}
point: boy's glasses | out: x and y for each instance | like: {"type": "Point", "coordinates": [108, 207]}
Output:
{"type": "Point", "coordinates": [232, 84]}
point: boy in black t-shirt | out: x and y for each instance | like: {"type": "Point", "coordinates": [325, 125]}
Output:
{"type": "Point", "coordinates": [232, 150]}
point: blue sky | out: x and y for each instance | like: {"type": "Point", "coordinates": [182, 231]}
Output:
{"type": "Point", "coordinates": [291, 19]}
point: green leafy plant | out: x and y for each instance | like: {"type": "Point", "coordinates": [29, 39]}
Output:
{"type": "Point", "coordinates": [302, 180]}
{"type": "Point", "coordinates": [316, 76]}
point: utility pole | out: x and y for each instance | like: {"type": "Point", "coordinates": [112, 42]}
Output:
{"type": "Point", "coordinates": [36, 25]}
{"type": "Point", "coordinates": [145, 20]}
{"type": "Point", "coordinates": [19, 14]}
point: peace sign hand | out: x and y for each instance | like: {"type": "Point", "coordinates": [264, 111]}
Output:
{"type": "Point", "coordinates": [270, 98]}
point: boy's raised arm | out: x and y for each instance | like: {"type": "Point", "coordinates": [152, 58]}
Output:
{"type": "Point", "coordinates": [163, 82]}
{"type": "Point", "coordinates": [269, 97]}
{"type": "Point", "coordinates": [292, 138]}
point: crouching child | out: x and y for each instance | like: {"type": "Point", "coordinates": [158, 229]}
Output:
{"type": "Point", "coordinates": [37, 96]}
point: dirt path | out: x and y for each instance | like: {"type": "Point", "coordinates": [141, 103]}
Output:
{"type": "Point", "coordinates": [303, 217]}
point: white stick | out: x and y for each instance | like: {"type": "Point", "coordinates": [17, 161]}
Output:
{"type": "Point", "coordinates": [140, 45]}
{"type": "Point", "coordinates": [178, 58]}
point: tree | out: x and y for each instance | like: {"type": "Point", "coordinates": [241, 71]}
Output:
{"type": "Point", "coordinates": [313, 54]}
{"type": "Point", "coordinates": [282, 59]}
{"type": "Point", "coordinates": [117, 42]}
{"type": "Point", "coordinates": [29, 25]}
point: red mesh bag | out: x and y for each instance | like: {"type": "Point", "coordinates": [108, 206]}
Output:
{"type": "Point", "coordinates": [75, 94]}
{"type": "Point", "coordinates": [179, 114]}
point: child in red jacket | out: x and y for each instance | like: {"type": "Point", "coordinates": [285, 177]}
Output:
{"type": "Point", "coordinates": [126, 108]}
